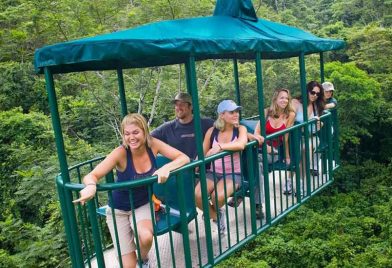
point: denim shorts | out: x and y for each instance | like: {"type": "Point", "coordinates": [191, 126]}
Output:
{"type": "Point", "coordinates": [215, 176]}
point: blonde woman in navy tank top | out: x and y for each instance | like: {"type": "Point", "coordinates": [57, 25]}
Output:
{"type": "Point", "coordinates": [133, 160]}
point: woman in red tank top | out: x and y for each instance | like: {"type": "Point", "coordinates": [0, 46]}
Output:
{"type": "Point", "coordinates": [279, 116]}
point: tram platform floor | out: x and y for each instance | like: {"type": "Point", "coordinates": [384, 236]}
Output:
{"type": "Point", "coordinates": [239, 229]}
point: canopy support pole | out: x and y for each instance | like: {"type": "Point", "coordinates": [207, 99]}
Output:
{"type": "Point", "coordinates": [67, 206]}
{"type": "Point", "coordinates": [304, 95]}
{"type": "Point", "coordinates": [322, 77]}
{"type": "Point", "coordinates": [121, 91]}
{"type": "Point", "coordinates": [190, 67]}
{"type": "Point", "coordinates": [237, 84]}
{"type": "Point", "coordinates": [260, 96]}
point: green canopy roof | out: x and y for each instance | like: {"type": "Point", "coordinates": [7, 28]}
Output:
{"type": "Point", "coordinates": [233, 30]}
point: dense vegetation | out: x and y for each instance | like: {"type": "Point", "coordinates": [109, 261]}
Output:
{"type": "Point", "coordinates": [349, 225]}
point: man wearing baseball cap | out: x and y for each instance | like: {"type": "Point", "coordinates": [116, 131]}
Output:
{"type": "Point", "coordinates": [331, 102]}
{"type": "Point", "coordinates": [180, 132]}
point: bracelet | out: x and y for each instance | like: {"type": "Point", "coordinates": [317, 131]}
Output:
{"type": "Point", "coordinates": [220, 147]}
{"type": "Point", "coordinates": [91, 184]}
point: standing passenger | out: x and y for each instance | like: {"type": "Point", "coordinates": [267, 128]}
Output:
{"type": "Point", "coordinates": [134, 159]}
{"type": "Point", "coordinates": [226, 134]}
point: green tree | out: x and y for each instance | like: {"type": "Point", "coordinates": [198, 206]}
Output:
{"type": "Point", "coordinates": [19, 87]}
{"type": "Point", "coordinates": [371, 49]}
{"type": "Point", "coordinates": [359, 98]}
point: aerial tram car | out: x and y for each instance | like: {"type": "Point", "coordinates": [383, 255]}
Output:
{"type": "Point", "coordinates": [182, 237]}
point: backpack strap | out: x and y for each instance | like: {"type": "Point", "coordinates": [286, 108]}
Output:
{"type": "Point", "coordinates": [215, 133]}
{"type": "Point", "coordinates": [236, 133]}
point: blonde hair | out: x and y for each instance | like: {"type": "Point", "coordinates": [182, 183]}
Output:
{"type": "Point", "coordinates": [220, 123]}
{"type": "Point", "coordinates": [139, 121]}
{"type": "Point", "coordinates": [273, 110]}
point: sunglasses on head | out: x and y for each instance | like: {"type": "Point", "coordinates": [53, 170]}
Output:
{"type": "Point", "coordinates": [315, 93]}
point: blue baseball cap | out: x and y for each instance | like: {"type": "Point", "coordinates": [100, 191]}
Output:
{"type": "Point", "coordinates": [227, 106]}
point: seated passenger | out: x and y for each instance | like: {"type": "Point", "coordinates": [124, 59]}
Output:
{"type": "Point", "coordinates": [279, 116]}
{"type": "Point", "coordinates": [226, 134]}
{"type": "Point", "coordinates": [180, 132]}
{"type": "Point", "coordinates": [315, 108]}
{"type": "Point", "coordinates": [330, 101]}
{"type": "Point", "coordinates": [133, 160]}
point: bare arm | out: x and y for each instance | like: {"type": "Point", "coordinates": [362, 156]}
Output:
{"type": "Point", "coordinates": [257, 128]}
{"type": "Point", "coordinates": [103, 168]}
{"type": "Point", "coordinates": [330, 105]}
{"type": "Point", "coordinates": [258, 138]}
{"type": "Point", "coordinates": [258, 133]}
{"type": "Point", "coordinates": [178, 159]}
{"type": "Point", "coordinates": [290, 123]}
{"type": "Point", "coordinates": [207, 143]}
{"type": "Point", "coordinates": [239, 144]}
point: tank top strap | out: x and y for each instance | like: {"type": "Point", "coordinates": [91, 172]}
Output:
{"type": "Point", "coordinates": [152, 160]}
{"type": "Point", "coordinates": [152, 157]}
{"type": "Point", "coordinates": [215, 133]}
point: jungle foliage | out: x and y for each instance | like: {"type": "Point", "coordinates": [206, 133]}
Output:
{"type": "Point", "coordinates": [349, 225]}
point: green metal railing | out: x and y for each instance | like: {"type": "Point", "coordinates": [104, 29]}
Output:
{"type": "Point", "coordinates": [90, 240]}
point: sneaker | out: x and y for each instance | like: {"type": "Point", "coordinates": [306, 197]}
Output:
{"type": "Point", "coordinates": [234, 203]}
{"type": "Point", "coordinates": [220, 222]}
{"type": "Point", "coordinates": [314, 172]}
{"type": "Point", "coordinates": [146, 264]}
{"type": "Point", "coordinates": [259, 212]}
{"type": "Point", "coordinates": [288, 188]}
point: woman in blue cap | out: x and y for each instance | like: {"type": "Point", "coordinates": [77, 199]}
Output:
{"type": "Point", "coordinates": [226, 134]}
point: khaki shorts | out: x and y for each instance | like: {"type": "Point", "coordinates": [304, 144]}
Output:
{"type": "Point", "coordinates": [125, 227]}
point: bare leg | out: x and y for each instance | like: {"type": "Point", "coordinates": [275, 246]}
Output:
{"type": "Point", "coordinates": [220, 193]}
{"type": "Point", "coordinates": [145, 233]}
{"type": "Point", "coordinates": [129, 260]}
{"type": "Point", "coordinates": [199, 200]}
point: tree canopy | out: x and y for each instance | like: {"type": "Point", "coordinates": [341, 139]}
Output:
{"type": "Point", "coordinates": [357, 208]}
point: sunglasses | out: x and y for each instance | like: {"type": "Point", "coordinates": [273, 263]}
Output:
{"type": "Point", "coordinates": [315, 93]}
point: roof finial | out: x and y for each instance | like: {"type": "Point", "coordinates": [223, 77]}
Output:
{"type": "Point", "coordinates": [242, 9]}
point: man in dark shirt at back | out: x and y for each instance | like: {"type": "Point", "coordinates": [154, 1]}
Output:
{"type": "Point", "coordinates": [180, 132]}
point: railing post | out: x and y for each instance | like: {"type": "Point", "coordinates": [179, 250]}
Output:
{"type": "Point", "coordinates": [184, 222]}
{"type": "Point", "coordinates": [322, 77]}
{"type": "Point", "coordinates": [335, 135]}
{"type": "Point", "coordinates": [67, 224]}
{"type": "Point", "coordinates": [260, 95]}
{"type": "Point", "coordinates": [252, 161]}
{"type": "Point", "coordinates": [237, 84]}
{"type": "Point", "coordinates": [190, 67]}
{"type": "Point", "coordinates": [91, 208]}
{"type": "Point", "coordinates": [121, 91]}
{"type": "Point", "coordinates": [304, 95]}
{"type": "Point", "coordinates": [330, 146]}
{"type": "Point", "coordinates": [68, 210]}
